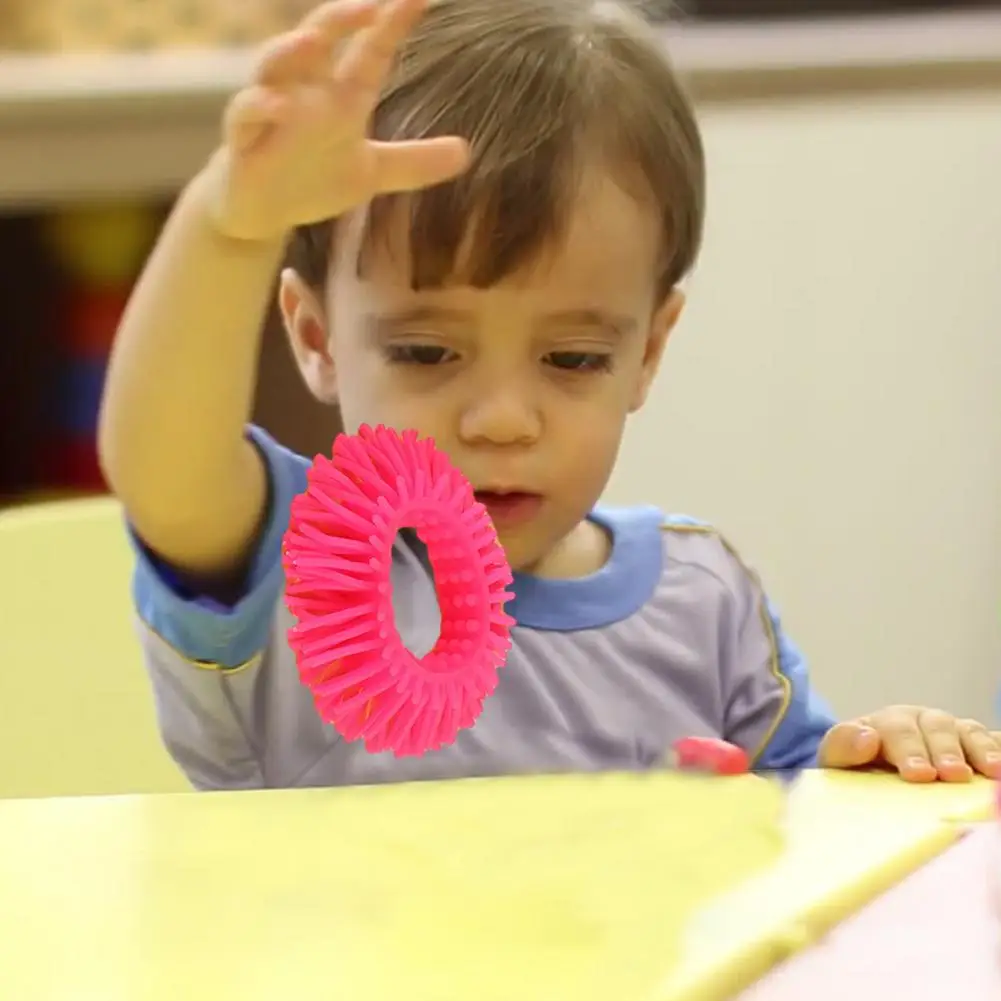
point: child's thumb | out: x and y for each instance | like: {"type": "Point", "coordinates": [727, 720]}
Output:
{"type": "Point", "coordinates": [849, 745]}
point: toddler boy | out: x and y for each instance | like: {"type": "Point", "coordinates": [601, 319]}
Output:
{"type": "Point", "coordinates": [487, 209]}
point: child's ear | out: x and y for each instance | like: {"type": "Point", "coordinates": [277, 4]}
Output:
{"type": "Point", "coordinates": [306, 325]}
{"type": "Point", "coordinates": [663, 322]}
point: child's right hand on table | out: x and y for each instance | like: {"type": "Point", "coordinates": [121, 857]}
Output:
{"type": "Point", "coordinates": [296, 147]}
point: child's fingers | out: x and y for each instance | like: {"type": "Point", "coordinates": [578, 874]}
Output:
{"type": "Point", "coordinates": [250, 115]}
{"type": "Point", "coordinates": [849, 745]}
{"type": "Point", "coordinates": [904, 744]}
{"type": "Point", "coordinates": [409, 166]}
{"type": "Point", "coordinates": [281, 61]}
{"type": "Point", "coordinates": [945, 748]}
{"type": "Point", "coordinates": [307, 51]}
{"type": "Point", "coordinates": [368, 56]}
{"type": "Point", "coordinates": [338, 18]}
{"type": "Point", "coordinates": [337, 22]}
{"type": "Point", "coordinates": [981, 747]}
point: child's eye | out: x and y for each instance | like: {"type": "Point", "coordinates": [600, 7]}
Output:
{"type": "Point", "coordinates": [580, 361]}
{"type": "Point", "coordinates": [419, 354]}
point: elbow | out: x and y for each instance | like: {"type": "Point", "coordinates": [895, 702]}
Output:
{"type": "Point", "coordinates": [122, 457]}
{"type": "Point", "coordinates": [108, 451]}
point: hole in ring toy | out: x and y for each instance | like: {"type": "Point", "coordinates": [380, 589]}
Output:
{"type": "Point", "coordinates": [337, 555]}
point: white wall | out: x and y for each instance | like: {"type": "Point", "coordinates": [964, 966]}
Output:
{"type": "Point", "coordinates": [833, 397]}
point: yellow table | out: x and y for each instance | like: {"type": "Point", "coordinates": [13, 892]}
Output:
{"type": "Point", "coordinates": [637, 888]}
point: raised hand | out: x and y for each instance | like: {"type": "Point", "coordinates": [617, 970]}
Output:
{"type": "Point", "coordinates": [296, 146]}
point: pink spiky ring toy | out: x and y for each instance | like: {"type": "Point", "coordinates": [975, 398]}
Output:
{"type": "Point", "coordinates": [338, 553]}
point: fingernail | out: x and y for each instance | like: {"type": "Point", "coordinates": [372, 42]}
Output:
{"type": "Point", "coordinates": [993, 757]}
{"type": "Point", "coordinates": [864, 735]}
{"type": "Point", "coordinates": [918, 763]}
{"type": "Point", "coordinates": [950, 759]}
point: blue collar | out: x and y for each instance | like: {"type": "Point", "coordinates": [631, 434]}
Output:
{"type": "Point", "coordinates": [616, 591]}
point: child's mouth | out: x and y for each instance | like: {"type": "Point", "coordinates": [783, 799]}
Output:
{"type": "Point", "coordinates": [509, 507]}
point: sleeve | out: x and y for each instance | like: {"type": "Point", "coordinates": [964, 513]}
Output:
{"type": "Point", "coordinates": [770, 708]}
{"type": "Point", "coordinates": [204, 658]}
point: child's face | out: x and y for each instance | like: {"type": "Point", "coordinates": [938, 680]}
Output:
{"type": "Point", "coordinates": [526, 385]}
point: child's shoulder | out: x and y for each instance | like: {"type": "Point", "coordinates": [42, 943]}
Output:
{"type": "Point", "coordinates": [688, 546]}
{"type": "Point", "coordinates": [659, 565]}
{"type": "Point", "coordinates": [704, 547]}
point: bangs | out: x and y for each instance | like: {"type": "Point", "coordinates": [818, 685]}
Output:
{"type": "Point", "coordinates": [516, 197]}
{"type": "Point", "coordinates": [543, 91]}
{"type": "Point", "coordinates": [483, 227]}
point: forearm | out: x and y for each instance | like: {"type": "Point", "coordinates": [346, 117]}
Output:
{"type": "Point", "coordinates": [180, 387]}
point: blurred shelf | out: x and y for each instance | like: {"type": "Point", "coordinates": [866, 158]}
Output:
{"type": "Point", "coordinates": [825, 44]}
{"type": "Point", "coordinates": [101, 125]}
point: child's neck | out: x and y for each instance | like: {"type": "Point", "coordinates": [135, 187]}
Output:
{"type": "Point", "coordinates": [583, 551]}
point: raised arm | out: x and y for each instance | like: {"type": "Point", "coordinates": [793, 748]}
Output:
{"type": "Point", "coordinates": [179, 388]}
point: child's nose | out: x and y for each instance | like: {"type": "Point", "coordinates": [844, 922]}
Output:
{"type": "Point", "coordinates": [501, 414]}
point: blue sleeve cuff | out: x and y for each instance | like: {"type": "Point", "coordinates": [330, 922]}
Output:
{"type": "Point", "coordinates": [806, 720]}
{"type": "Point", "coordinates": [205, 631]}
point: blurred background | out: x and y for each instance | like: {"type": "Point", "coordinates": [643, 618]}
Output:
{"type": "Point", "coordinates": [832, 398]}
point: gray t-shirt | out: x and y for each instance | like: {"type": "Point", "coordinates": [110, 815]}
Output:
{"type": "Point", "coordinates": [672, 638]}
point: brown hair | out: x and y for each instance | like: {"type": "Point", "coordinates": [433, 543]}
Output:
{"type": "Point", "coordinates": [539, 88]}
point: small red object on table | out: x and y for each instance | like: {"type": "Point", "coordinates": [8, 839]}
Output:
{"type": "Point", "coordinates": [707, 754]}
